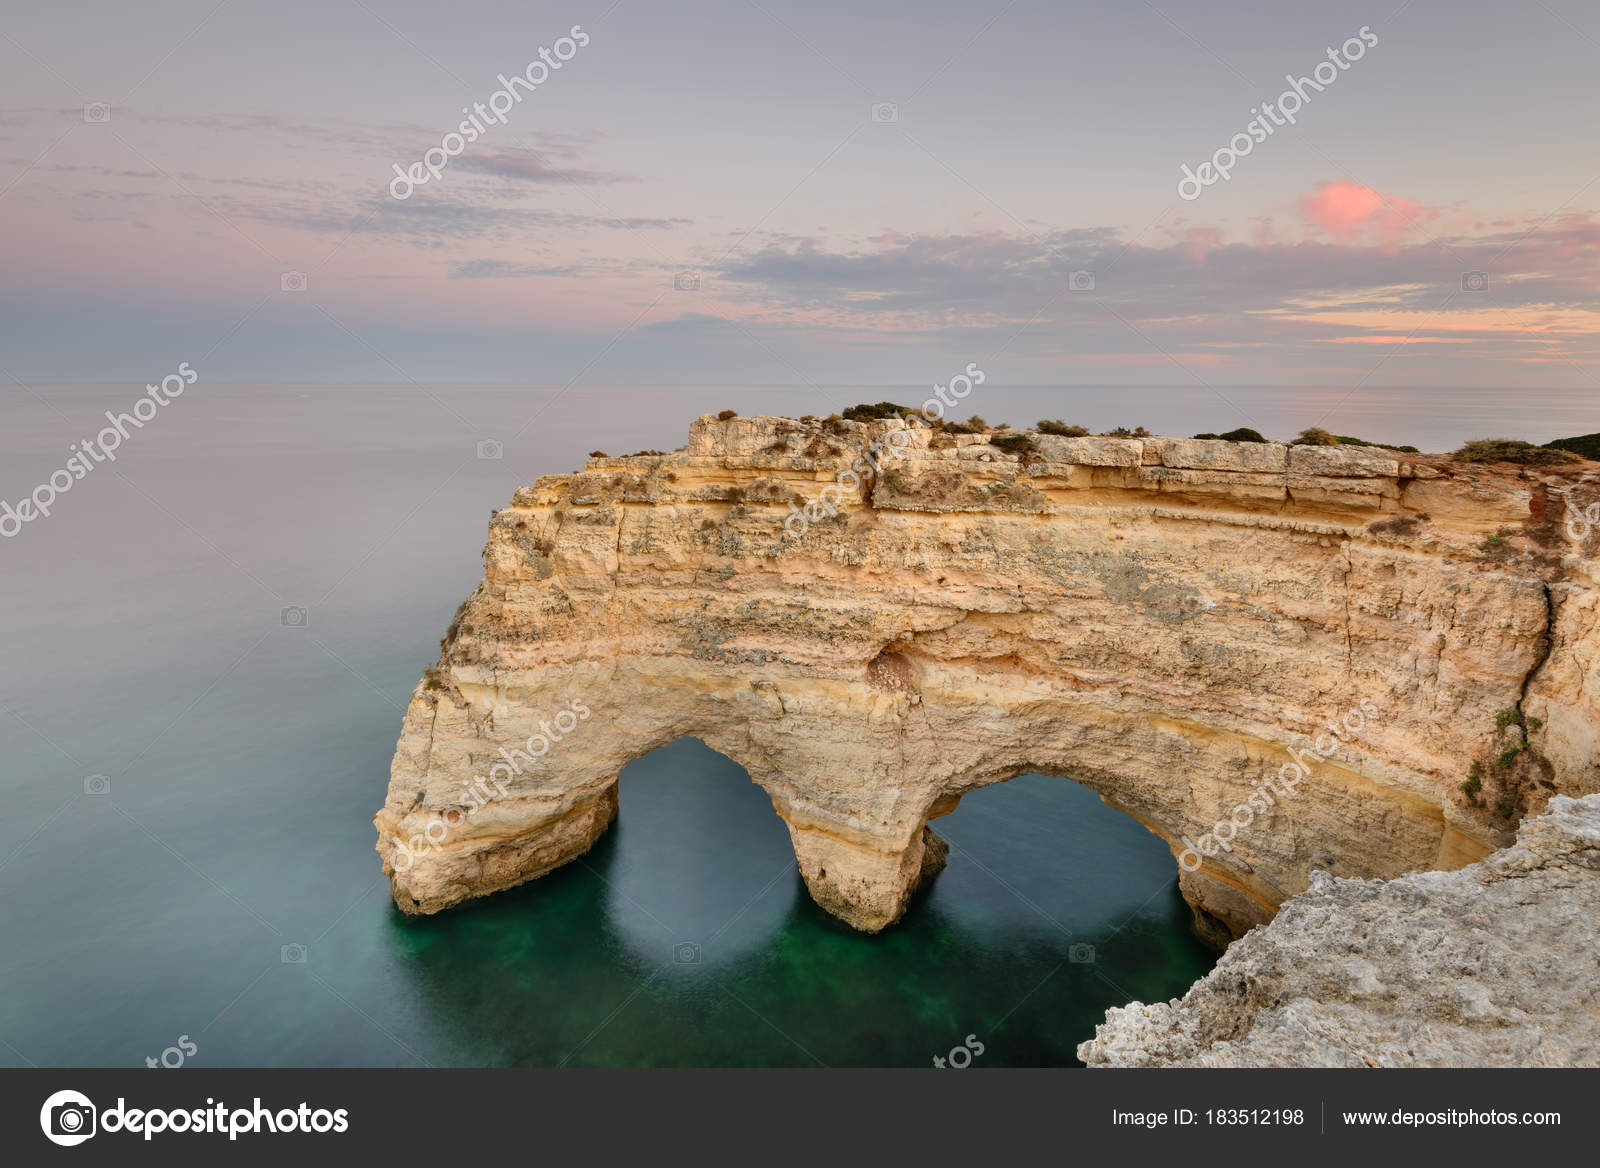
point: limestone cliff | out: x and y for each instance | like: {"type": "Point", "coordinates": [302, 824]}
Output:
{"type": "Point", "coordinates": [1494, 965]}
{"type": "Point", "coordinates": [1279, 659]}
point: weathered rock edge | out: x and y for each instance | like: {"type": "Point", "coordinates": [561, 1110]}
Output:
{"type": "Point", "coordinates": [1162, 620]}
{"type": "Point", "coordinates": [1497, 964]}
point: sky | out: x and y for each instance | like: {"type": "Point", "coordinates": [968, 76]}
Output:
{"type": "Point", "coordinates": [755, 192]}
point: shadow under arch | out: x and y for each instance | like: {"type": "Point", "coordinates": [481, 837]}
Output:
{"type": "Point", "coordinates": [701, 870]}
{"type": "Point", "coordinates": [1121, 838]}
{"type": "Point", "coordinates": [1011, 834]}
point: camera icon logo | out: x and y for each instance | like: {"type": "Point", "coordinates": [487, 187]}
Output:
{"type": "Point", "coordinates": [686, 953]}
{"type": "Point", "coordinates": [489, 448]}
{"type": "Point", "coordinates": [96, 112]}
{"type": "Point", "coordinates": [67, 1118]}
{"type": "Point", "coordinates": [97, 784]}
{"type": "Point", "coordinates": [1081, 281]}
{"type": "Point", "coordinates": [1474, 281]}
{"type": "Point", "coordinates": [293, 954]}
{"type": "Point", "coordinates": [885, 111]}
{"type": "Point", "coordinates": [292, 282]}
{"type": "Point", "coordinates": [293, 617]}
{"type": "Point", "coordinates": [687, 281]}
{"type": "Point", "coordinates": [1081, 954]}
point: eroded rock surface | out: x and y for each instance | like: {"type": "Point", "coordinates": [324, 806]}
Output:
{"type": "Point", "coordinates": [1163, 620]}
{"type": "Point", "coordinates": [1497, 964]}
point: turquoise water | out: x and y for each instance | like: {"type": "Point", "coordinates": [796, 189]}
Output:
{"type": "Point", "coordinates": [683, 938]}
{"type": "Point", "coordinates": [694, 942]}
{"type": "Point", "coordinates": [243, 760]}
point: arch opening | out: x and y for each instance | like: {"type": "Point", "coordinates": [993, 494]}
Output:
{"type": "Point", "coordinates": [699, 868]}
{"type": "Point", "coordinates": [1116, 851]}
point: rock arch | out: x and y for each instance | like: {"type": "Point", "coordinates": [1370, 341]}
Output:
{"type": "Point", "coordinates": [1172, 623]}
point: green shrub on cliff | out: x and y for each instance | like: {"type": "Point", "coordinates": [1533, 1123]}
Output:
{"type": "Point", "coordinates": [877, 412]}
{"type": "Point", "coordinates": [1346, 440]}
{"type": "Point", "coordinates": [973, 425]}
{"type": "Point", "coordinates": [1061, 429]}
{"type": "Point", "coordinates": [1584, 445]}
{"type": "Point", "coordinates": [1020, 444]}
{"type": "Point", "coordinates": [1317, 436]}
{"type": "Point", "coordinates": [1513, 450]}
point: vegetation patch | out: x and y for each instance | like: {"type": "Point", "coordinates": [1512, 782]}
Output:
{"type": "Point", "coordinates": [1498, 546]}
{"type": "Point", "coordinates": [879, 412]}
{"type": "Point", "coordinates": [1514, 450]}
{"type": "Point", "coordinates": [1019, 444]}
{"type": "Point", "coordinates": [1516, 764]}
{"type": "Point", "coordinates": [1584, 445]}
{"type": "Point", "coordinates": [1316, 436]}
{"type": "Point", "coordinates": [1346, 440]}
{"type": "Point", "coordinates": [973, 425]}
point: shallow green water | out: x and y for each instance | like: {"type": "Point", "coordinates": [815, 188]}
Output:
{"type": "Point", "coordinates": [687, 937]}
{"type": "Point", "coordinates": [245, 759]}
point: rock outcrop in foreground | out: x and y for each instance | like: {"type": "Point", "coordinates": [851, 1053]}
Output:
{"type": "Point", "coordinates": [1279, 659]}
{"type": "Point", "coordinates": [1497, 964]}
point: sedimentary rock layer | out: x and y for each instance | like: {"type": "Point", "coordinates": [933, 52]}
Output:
{"type": "Point", "coordinates": [1497, 964]}
{"type": "Point", "coordinates": [1279, 659]}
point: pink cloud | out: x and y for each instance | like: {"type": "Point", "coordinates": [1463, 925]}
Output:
{"type": "Point", "coordinates": [1352, 213]}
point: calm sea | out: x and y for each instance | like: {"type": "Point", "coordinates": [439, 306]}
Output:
{"type": "Point", "coordinates": [188, 782]}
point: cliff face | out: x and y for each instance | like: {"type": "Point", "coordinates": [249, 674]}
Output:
{"type": "Point", "coordinates": [1279, 659]}
{"type": "Point", "coordinates": [1494, 965]}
